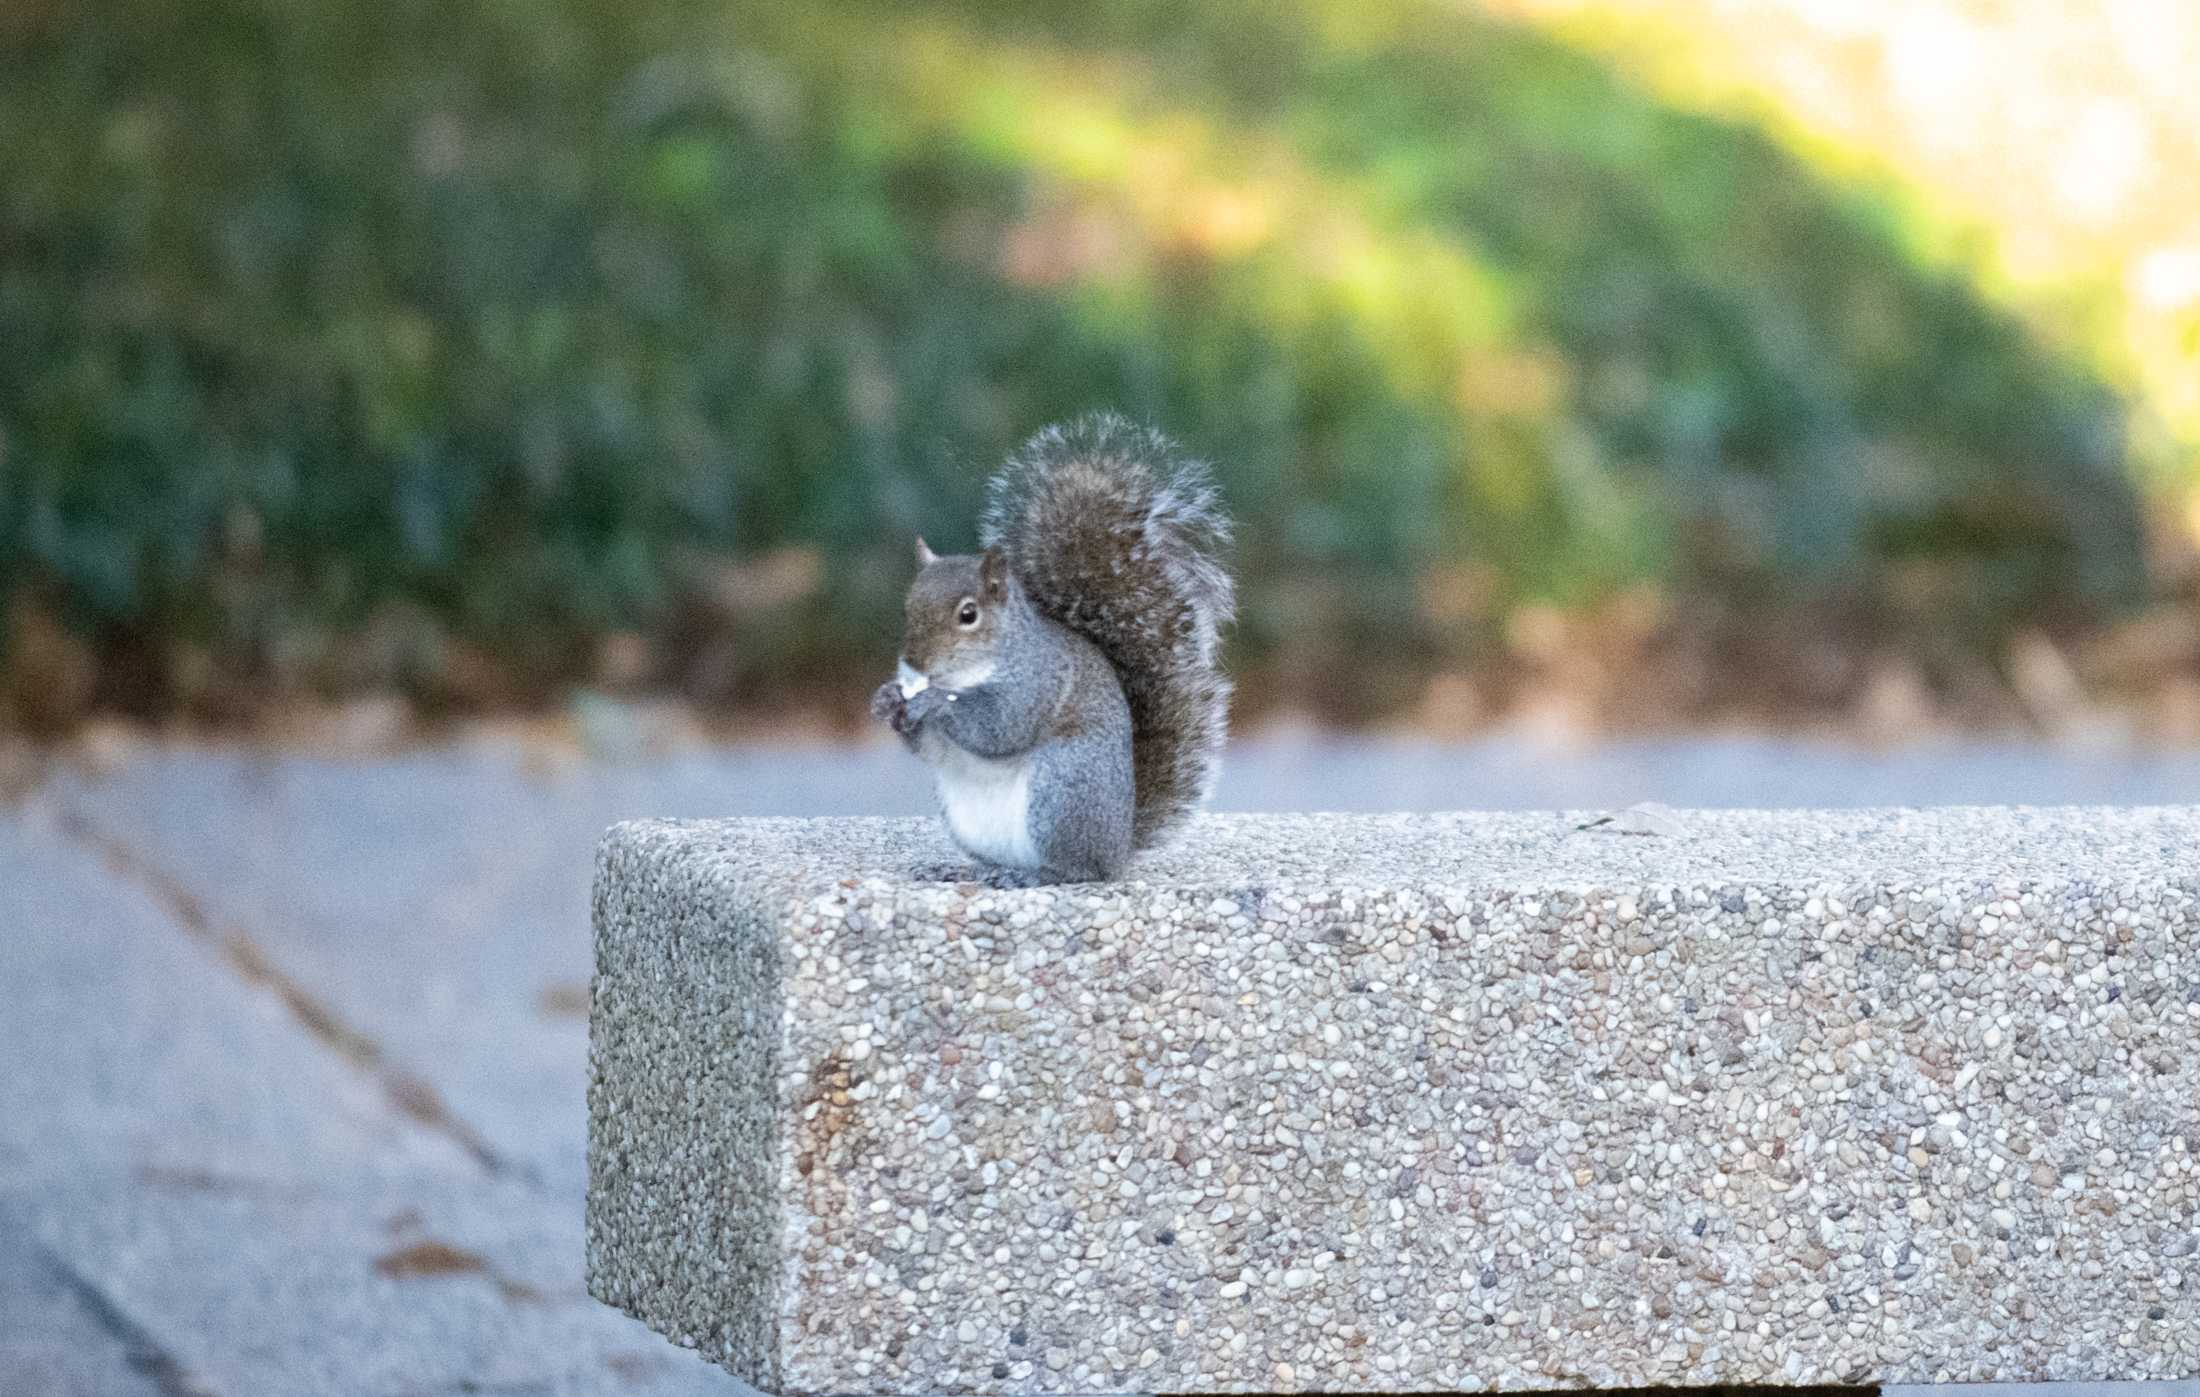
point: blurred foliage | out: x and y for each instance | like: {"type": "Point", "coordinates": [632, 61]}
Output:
{"type": "Point", "coordinates": [2056, 148]}
{"type": "Point", "coordinates": [351, 345]}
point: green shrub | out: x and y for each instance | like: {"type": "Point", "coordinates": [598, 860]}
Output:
{"type": "Point", "coordinates": [350, 344]}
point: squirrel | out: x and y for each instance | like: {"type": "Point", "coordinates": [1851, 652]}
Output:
{"type": "Point", "coordinates": [1066, 683]}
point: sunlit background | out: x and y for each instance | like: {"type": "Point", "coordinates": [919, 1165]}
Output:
{"type": "Point", "coordinates": [431, 430]}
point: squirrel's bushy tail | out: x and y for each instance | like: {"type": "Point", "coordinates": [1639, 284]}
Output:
{"type": "Point", "coordinates": [1115, 534]}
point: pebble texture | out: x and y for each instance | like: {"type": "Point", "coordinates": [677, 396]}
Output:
{"type": "Point", "coordinates": [1453, 1102]}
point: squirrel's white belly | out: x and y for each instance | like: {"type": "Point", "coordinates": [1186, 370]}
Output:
{"type": "Point", "coordinates": [987, 802]}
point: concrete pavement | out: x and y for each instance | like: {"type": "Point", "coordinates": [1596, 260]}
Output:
{"type": "Point", "coordinates": [210, 1182]}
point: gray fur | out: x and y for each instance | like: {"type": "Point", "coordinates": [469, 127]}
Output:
{"type": "Point", "coordinates": [1082, 799]}
{"type": "Point", "coordinates": [1117, 535]}
{"type": "Point", "coordinates": [1090, 658]}
{"type": "Point", "coordinates": [1052, 698]}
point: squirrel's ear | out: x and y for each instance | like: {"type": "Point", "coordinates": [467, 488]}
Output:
{"type": "Point", "coordinates": [993, 573]}
{"type": "Point", "coordinates": [925, 555]}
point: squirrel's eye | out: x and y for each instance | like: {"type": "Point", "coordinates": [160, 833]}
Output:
{"type": "Point", "coordinates": [968, 614]}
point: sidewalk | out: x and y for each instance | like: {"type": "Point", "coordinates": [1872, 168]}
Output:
{"type": "Point", "coordinates": [280, 1120]}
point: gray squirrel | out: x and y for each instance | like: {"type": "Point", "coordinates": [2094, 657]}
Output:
{"type": "Point", "coordinates": [1066, 684]}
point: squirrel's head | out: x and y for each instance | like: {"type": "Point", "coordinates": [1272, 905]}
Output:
{"type": "Point", "coordinates": [956, 615]}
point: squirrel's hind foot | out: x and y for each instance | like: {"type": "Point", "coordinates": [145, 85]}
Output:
{"type": "Point", "coordinates": [987, 875]}
{"type": "Point", "coordinates": [945, 873]}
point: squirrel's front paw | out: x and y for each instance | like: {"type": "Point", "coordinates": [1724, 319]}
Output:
{"type": "Point", "coordinates": [920, 707]}
{"type": "Point", "coordinates": [888, 705]}
{"type": "Point", "coordinates": [899, 711]}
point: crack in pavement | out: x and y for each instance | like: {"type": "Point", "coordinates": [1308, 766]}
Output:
{"type": "Point", "coordinates": [140, 1350]}
{"type": "Point", "coordinates": [411, 1095]}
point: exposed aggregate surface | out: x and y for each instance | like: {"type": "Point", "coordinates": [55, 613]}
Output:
{"type": "Point", "coordinates": [1358, 1103]}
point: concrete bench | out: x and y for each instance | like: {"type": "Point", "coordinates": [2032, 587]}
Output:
{"type": "Point", "coordinates": [1458, 1102]}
